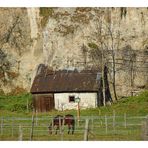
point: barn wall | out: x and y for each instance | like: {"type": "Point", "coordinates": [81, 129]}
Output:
{"type": "Point", "coordinates": [87, 100]}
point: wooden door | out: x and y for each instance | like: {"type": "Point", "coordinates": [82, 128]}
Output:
{"type": "Point", "coordinates": [44, 103]}
{"type": "Point", "coordinates": [48, 103]}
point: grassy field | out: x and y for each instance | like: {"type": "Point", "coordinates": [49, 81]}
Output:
{"type": "Point", "coordinates": [14, 112]}
{"type": "Point", "coordinates": [17, 106]}
{"type": "Point", "coordinates": [101, 128]}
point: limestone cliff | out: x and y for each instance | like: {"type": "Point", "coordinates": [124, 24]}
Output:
{"type": "Point", "coordinates": [20, 47]}
{"type": "Point", "coordinates": [68, 38]}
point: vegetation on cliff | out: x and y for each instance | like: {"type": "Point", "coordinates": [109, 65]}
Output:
{"type": "Point", "coordinates": [45, 13]}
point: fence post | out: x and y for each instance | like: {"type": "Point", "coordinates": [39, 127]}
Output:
{"type": "Point", "coordinates": [78, 113]}
{"type": "Point", "coordinates": [36, 118]}
{"type": "Point", "coordinates": [78, 122]}
{"type": "Point", "coordinates": [2, 122]}
{"type": "Point", "coordinates": [75, 122]}
{"type": "Point", "coordinates": [12, 126]}
{"type": "Point", "coordinates": [60, 125]}
{"type": "Point", "coordinates": [86, 130]}
{"type": "Point", "coordinates": [62, 129]}
{"type": "Point", "coordinates": [114, 117]}
{"type": "Point", "coordinates": [20, 133]}
{"type": "Point", "coordinates": [92, 124]}
{"type": "Point", "coordinates": [27, 105]}
{"type": "Point", "coordinates": [52, 125]}
{"type": "Point", "coordinates": [32, 127]}
{"type": "Point", "coordinates": [106, 124]}
{"type": "Point", "coordinates": [145, 129]}
{"type": "Point", "coordinates": [125, 122]}
{"type": "Point", "coordinates": [100, 117]}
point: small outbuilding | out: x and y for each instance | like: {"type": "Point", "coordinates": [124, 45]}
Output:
{"type": "Point", "coordinates": [61, 89]}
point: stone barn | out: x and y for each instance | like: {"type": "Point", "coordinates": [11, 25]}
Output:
{"type": "Point", "coordinates": [60, 89]}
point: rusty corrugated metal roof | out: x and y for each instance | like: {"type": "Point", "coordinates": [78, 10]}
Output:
{"type": "Point", "coordinates": [65, 81]}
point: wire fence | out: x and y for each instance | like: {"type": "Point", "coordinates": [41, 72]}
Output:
{"type": "Point", "coordinates": [87, 128]}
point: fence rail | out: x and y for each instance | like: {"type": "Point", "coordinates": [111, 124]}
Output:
{"type": "Point", "coordinates": [89, 128]}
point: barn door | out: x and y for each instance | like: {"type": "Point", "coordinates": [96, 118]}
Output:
{"type": "Point", "coordinates": [48, 103]}
{"type": "Point", "coordinates": [43, 103]}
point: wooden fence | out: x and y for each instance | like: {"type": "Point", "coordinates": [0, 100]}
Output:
{"type": "Point", "coordinates": [145, 129]}
{"type": "Point", "coordinates": [89, 128]}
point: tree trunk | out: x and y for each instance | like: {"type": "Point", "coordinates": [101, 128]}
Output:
{"type": "Point", "coordinates": [107, 89]}
{"type": "Point", "coordinates": [103, 84]}
{"type": "Point", "coordinates": [114, 77]}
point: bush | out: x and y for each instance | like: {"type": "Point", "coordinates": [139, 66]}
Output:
{"type": "Point", "coordinates": [18, 107]}
{"type": "Point", "coordinates": [16, 103]}
{"type": "Point", "coordinates": [93, 45]}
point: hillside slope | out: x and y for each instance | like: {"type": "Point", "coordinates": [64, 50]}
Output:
{"type": "Point", "coordinates": [132, 106]}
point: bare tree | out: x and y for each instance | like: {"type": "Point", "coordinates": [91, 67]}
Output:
{"type": "Point", "coordinates": [108, 41]}
{"type": "Point", "coordinates": [111, 44]}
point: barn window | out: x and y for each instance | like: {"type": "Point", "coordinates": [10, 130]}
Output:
{"type": "Point", "coordinates": [71, 98]}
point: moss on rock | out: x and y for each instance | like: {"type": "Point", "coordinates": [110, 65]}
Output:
{"type": "Point", "coordinates": [45, 13]}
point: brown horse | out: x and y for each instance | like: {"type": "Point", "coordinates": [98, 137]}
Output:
{"type": "Point", "coordinates": [60, 120]}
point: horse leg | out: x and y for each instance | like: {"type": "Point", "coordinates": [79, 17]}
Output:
{"type": "Point", "coordinates": [56, 132]}
{"type": "Point", "coordinates": [73, 128]}
{"type": "Point", "coordinates": [69, 129]}
{"type": "Point", "coordinates": [57, 128]}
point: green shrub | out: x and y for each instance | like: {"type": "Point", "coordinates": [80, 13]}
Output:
{"type": "Point", "coordinates": [18, 107]}
{"type": "Point", "coordinates": [16, 103]}
{"type": "Point", "coordinates": [93, 45]}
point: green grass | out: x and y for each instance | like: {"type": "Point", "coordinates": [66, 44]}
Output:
{"type": "Point", "coordinates": [16, 103]}
{"type": "Point", "coordinates": [134, 106]}
{"type": "Point", "coordinates": [98, 130]}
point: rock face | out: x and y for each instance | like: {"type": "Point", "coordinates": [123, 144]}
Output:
{"type": "Point", "coordinates": [20, 44]}
{"type": "Point", "coordinates": [68, 38]}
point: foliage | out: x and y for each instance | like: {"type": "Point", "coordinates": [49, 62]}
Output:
{"type": "Point", "coordinates": [93, 45]}
{"type": "Point", "coordinates": [45, 13]}
{"type": "Point", "coordinates": [16, 103]}
{"type": "Point", "coordinates": [123, 12]}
